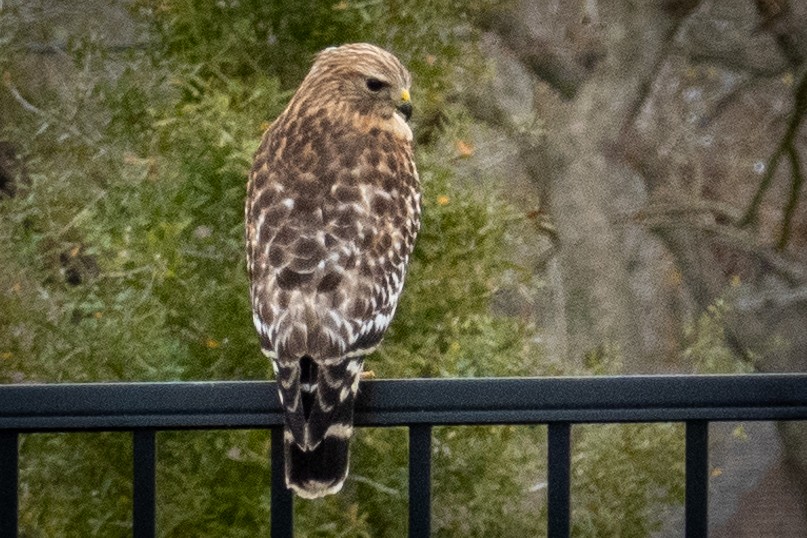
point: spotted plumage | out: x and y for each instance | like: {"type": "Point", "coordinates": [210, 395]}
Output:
{"type": "Point", "coordinates": [332, 212]}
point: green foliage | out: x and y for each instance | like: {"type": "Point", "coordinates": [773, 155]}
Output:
{"type": "Point", "coordinates": [137, 180]}
{"type": "Point", "coordinates": [457, 265]}
{"type": "Point", "coordinates": [706, 344]}
{"type": "Point", "coordinates": [483, 478]}
{"type": "Point", "coordinates": [213, 484]}
{"type": "Point", "coordinates": [245, 39]}
{"type": "Point", "coordinates": [87, 491]}
{"type": "Point", "coordinates": [621, 474]}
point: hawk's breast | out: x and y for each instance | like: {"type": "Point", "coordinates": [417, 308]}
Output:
{"type": "Point", "coordinates": [331, 222]}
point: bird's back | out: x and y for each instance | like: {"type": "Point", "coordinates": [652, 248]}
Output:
{"type": "Point", "coordinates": [332, 212]}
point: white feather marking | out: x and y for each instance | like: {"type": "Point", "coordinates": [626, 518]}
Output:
{"type": "Point", "coordinates": [360, 352]}
{"type": "Point", "coordinates": [308, 387]}
{"type": "Point", "coordinates": [355, 386]}
{"type": "Point", "coordinates": [354, 367]}
{"type": "Point", "coordinates": [256, 320]}
{"type": "Point", "coordinates": [344, 393]}
{"type": "Point", "coordinates": [401, 128]}
{"type": "Point", "coordinates": [349, 332]}
{"type": "Point", "coordinates": [288, 203]}
{"type": "Point", "coordinates": [381, 321]}
{"type": "Point", "coordinates": [335, 317]}
{"type": "Point", "coordinates": [342, 431]}
{"type": "Point", "coordinates": [314, 489]}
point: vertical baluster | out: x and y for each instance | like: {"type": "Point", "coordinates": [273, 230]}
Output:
{"type": "Point", "coordinates": [559, 479]}
{"type": "Point", "coordinates": [144, 482]}
{"type": "Point", "coordinates": [697, 479]}
{"type": "Point", "coordinates": [420, 461]}
{"type": "Point", "coordinates": [282, 505]}
{"type": "Point", "coordinates": [9, 475]}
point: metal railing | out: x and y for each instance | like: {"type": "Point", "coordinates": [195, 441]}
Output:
{"type": "Point", "coordinates": [145, 408]}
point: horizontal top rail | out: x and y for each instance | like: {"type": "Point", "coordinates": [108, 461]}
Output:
{"type": "Point", "coordinates": [254, 404]}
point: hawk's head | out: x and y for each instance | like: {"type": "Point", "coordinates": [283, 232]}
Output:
{"type": "Point", "coordinates": [362, 83]}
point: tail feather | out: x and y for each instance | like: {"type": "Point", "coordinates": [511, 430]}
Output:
{"type": "Point", "coordinates": [319, 425]}
{"type": "Point", "coordinates": [333, 396]}
{"type": "Point", "coordinates": [319, 472]}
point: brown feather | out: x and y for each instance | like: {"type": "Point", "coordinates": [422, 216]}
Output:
{"type": "Point", "coordinates": [332, 212]}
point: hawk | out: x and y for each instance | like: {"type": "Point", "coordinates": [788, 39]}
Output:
{"type": "Point", "coordinates": [332, 212]}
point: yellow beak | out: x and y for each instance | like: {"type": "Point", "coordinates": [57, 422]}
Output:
{"type": "Point", "coordinates": [405, 106]}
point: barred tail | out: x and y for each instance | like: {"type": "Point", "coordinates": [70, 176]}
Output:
{"type": "Point", "coordinates": [319, 424]}
{"type": "Point", "coordinates": [319, 472]}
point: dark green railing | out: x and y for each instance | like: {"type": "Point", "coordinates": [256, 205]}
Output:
{"type": "Point", "coordinates": [419, 404]}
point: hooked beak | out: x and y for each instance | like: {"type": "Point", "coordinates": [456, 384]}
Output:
{"type": "Point", "coordinates": [405, 107]}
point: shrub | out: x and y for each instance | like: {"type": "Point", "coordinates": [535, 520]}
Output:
{"type": "Point", "coordinates": [124, 261]}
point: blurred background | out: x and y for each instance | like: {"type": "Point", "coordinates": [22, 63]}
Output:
{"type": "Point", "coordinates": [609, 188]}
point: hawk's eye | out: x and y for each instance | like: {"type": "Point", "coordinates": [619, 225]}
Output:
{"type": "Point", "coordinates": [375, 85]}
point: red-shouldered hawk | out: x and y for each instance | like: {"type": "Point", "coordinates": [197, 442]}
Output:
{"type": "Point", "coordinates": [332, 212]}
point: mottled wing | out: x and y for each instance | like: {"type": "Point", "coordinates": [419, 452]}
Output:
{"type": "Point", "coordinates": [331, 221]}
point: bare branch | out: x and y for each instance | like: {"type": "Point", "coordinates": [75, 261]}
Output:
{"type": "Point", "coordinates": [796, 181]}
{"type": "Point", "coordinates": [776, 299]}
{"type": "Point", "coordinates": [787, 145]}
{"type": "Point", "coordinates": [793, 271]}
{"type": "Point", "coordinates": [27, 106]}
{"type": "Point", "coordinates": [48, 116]}
{"type": "Point", "coordinates": [688, 206]}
